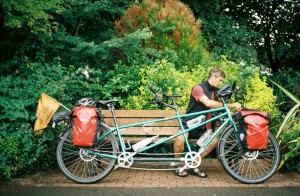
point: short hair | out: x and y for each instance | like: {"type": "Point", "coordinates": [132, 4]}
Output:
{"type": "Point", "coordinates": [216, 72]}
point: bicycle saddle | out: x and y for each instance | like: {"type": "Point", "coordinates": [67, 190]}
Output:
{"type": "Point", "coordinates": [105, 102]}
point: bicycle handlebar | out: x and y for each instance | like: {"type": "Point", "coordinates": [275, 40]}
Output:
{"type": "Point", "coordinates": [159, 99]}
{"type": "Point", "coordinates": [224, 93]}
{"type": "Point", "coordinates": [158, 96]}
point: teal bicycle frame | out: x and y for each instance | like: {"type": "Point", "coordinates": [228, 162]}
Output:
{"type": "Point", "coordinates": [225, 112]}
{"type": "Point", "coordinates": [93, 163]}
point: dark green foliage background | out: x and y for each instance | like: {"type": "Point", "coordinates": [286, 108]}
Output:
{"type": "Point", "coordinates": [46, 46]}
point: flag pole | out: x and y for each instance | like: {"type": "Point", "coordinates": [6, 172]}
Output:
{"type": "Point", "coordinates": [64, 106]}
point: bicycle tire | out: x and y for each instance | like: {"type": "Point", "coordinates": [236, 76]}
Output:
{"type": "Point", "coordinates": [251, 167]}
{"type": "Point", "coordinates": [84, 168]}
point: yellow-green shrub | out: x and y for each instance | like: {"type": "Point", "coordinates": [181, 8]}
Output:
{"type": "Point", "coordinates": [163, 76]}
{"type": "Point", "coordinates": [259, 96]}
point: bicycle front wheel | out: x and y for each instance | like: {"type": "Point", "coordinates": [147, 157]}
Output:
{"type": "Point", "coordinates": [250, 167]}
{"type": "Point", "coordinates": [83, 165]}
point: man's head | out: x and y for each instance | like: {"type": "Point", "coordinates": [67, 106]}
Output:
{"type": "Point", "coordinates": [215, 77]}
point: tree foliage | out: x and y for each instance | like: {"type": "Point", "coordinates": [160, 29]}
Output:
{"type": "Point", "coordinates": [278, 23]}
{"type": "Point", "coordinates": [71, 31]}
{"type": "Point", "coordinates": [173, 26]}
{"type": "Point", "coordinates": [73, 49]}
{"type": "Point", "coordinates": [270, 27]}
{"type": "Point", "coordinates": [223, 34]}
{"type": "Point", "coordinates": [23, 26]}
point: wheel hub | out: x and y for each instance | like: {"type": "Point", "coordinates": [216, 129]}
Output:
{"type": "Point", "coordinates": [85, 156]}
{"type": "Point", "coordinates": [250, 155]}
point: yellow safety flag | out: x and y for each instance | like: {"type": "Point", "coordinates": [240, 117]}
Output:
{"type": "Point", "coordinates": [47, 106]}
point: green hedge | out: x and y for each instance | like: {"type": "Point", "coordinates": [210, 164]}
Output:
{"type": "Point", "coordinates": [22, 151]}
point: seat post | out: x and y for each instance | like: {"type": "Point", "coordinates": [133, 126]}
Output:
{"type": "Point", "coordinates": [111, 108]}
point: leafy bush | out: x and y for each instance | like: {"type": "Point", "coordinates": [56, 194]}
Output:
{"type": "Point", "coordinates": [259, 96]}
{"type": "Point", "coordinates": [290, 148]}
{"type": "Point", "coordinates": [163, 76]}
{"type": "Point", "coordinates": [176, 82]}
{"type": "Point", "coordinates": [288, 134]}
{"type": "Point", "coordinates": [22, 151]}
{"type": "Point", "coordinates": [120, 82]}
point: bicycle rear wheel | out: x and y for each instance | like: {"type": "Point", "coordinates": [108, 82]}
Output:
{"type": "Point", "coordinates": [79, 165]}
{"type": "Point", "coordinates": [248, 166]}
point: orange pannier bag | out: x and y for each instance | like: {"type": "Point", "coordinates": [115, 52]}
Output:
{"type": "Point", "coordinates": [253, 129]}
{"type": "Point", "coordinates": [85, 127]}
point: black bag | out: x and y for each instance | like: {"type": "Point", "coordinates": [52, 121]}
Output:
{"type": "Point", "coordinates": [253, 128]}
{"type": "Point", "coordinates": [60, 118]}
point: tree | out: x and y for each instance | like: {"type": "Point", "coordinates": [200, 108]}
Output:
{"type": "Point", "coordinates": [271, 27]}
{"type": "Point", "coordinates": [55, 29]}
{"type": "Point", "coordinates": [223, 34]}
{"type": "Point", "coordinates": [278, 23]}
{"type": "Point", "coordinates": [174, 29]}
{"type": "Point", "coordinates": [83, 27]}
{"type": "Point", "coordinates": [24, 25]}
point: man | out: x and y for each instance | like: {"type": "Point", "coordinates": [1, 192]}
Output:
{"type": "Point", "coordinates": [203, 97]}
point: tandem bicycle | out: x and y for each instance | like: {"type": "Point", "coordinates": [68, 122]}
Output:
{"type": "Point", "coordinates": [92, 164]}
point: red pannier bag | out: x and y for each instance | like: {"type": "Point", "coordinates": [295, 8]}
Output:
{"type": "Point", "coordinates": [253, 128]}
{"type": "Point", "coordinates": [85, 126]}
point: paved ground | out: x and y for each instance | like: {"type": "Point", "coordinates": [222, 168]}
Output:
{"type": "Point", "coordinates": [128, 178]}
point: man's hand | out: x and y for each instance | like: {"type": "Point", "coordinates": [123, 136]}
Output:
{"type": "Point", "coordinates": [237, 106]}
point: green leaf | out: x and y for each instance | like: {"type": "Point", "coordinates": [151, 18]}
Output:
{"type": "Point", "coordinates": [288, 93]}
{"type": "Point", "coordinates": [287, 119]}
{"type": "Point", "coordinates": [285, 158]}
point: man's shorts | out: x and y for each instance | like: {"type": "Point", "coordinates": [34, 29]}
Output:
{"type": "Point", "coordinates": [196, 133]}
